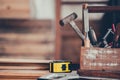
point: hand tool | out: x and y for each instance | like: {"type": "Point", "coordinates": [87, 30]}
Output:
{"type": "Point", "coordinates": [113, 28]}
{"type": "Point", "coordinates": [103, 42]}
{"type": "Point", "coordinates": [62, 66]}
{"type": "Point", "coordinates": [70, 19]}
{"type": "Point", "coordinates": [86, 25]}
{"type": "Point", "coordinates": [92, 36]}
{"type": "Point", "coordinates": [116, 36]}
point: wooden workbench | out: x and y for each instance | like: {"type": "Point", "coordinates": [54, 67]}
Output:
{"type": "Point", "coordinates": [25, 69]}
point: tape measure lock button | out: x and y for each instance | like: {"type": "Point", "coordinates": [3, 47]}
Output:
{"type": "Point", "coordinates": [63, 67]}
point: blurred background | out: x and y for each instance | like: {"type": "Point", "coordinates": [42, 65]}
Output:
{"type": "Point", "coordinates": [30, 29]}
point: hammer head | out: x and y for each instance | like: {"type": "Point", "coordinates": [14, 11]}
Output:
{"type": "Point", "coordinates": [68, 18]}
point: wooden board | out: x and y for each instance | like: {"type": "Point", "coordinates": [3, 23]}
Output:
{"type": "Point", "coordinates": [24, 69]}
{"type": "Point", "coordinates": [23, 64]}
{"type": "Point", "coordinates": [21, 74]}
{"type": "Point", "coordinates": [19, 9]}
{"type": "Point", "coordinates": [100, 74]}
{"type": "Point", "coordinates": [26, 39]}
{"type": "Point", "coordinates": [104, 59]}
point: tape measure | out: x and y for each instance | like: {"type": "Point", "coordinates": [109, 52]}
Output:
{"type": "Point", "coordinates": [62, 67]}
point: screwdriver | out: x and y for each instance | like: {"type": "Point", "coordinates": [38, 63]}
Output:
{"type": "Point", "coordinates": [116, 37]}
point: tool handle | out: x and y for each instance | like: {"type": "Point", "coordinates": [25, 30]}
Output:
{"type": "Point", "coordinates": [77, 30]}
{"type": "Point", "coordinates": [87, 41]}
{"type": "Point", "coordinates": [92, 36]}
{"type": "Point", "coordinates": [118, 29]}
{"type": "Point", "coordinates": [68, 19]}
{"type": "Point", "coordinates": [113, 28]}
{"type": "Point", "coordinates": [85, 6]}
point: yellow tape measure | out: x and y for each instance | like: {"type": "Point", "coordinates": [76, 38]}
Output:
{"type": "Point", "coordinates": [60, 67]}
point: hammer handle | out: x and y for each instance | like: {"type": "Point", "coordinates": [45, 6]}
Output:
{"type": "Point", "coordinates": [76, 29]}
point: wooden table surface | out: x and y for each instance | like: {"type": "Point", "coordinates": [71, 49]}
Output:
{"type": "Point", "coordinates": [25, 69]}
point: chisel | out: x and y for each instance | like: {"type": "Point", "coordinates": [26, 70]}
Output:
{"type": "Point", "coordinates": [86, 25]}
{"type": "Point", "coordinates": [92, 36]}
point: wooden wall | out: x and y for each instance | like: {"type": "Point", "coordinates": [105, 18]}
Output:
{"type": "Point", "coordinates": [26, 45]}
{"type": "Point", "coordinates": [27, 39]}
{"type": "Point", "coordinates": [15, 9]}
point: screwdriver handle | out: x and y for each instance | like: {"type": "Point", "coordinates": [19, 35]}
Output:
{"type": "Point", "coordinates": [92, 36]}
{"type": "Point", "coordinates": [87, 41]}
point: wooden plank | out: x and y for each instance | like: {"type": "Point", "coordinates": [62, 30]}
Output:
{"type": "Point", "coordinates": [100, 59]}
{"type": "Point", "coordinates": [22, 74]}
{"type": "Point", "coordinates": [15, 14]}
{"type": "Point", "coordinates": [24, 64]}
{"type": "Point", "coordinates": [14, 1]}
{"type": "Point", "coordinates": [15, 9]}
{"type": "Point", "coordinates": [78, 2]}
{"type": "Point", "coordinates": [101, 74]}
{"type": "Point", "coordinates": [24, 67]}
{"type": "Point", "coordinates": [21, 60]}
{"type": "Point", "coordinates": [95, 9]}
{"type": "Point", "coordinates": [14, 6]}
{"type": "Point", "coordinates": [26, 38]}
{"type": "Point", "coordinates": [16, 23]}
{"type": "Point", "coordinates": [26, 49]}
{"type": "Point", "coordinates": [58, 31]}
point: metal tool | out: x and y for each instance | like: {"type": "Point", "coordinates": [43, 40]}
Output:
{"type": "Point", "coordinates": [86, 25]}
{"type": "Point", "coordinates": [103, 42]}
{"type": "Point", "coordinates": [92, 36]}
{"type": "Point", "coordinates": [70, 20]}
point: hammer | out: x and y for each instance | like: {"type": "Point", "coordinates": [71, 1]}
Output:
{"type": "Point", "coordinates": [70, 20]}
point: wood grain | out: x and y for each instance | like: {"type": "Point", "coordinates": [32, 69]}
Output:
{"type": "Point", "coordinates": [21, 74]}
{"type": "Point", "coordinates": [26, 38]}
{"type": "Point", "coordinates": [19, 9]}
{"type": "Point", "coordinates": [102, 9]}
{"type": "Point", "coordinates": [101, 74]}
{"type": "Point", "coordinates": [25, 69]}
{"type": "Point", "coordinates": [100, 59]}
{"type": "Point", "coordinates": [58, 30]}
